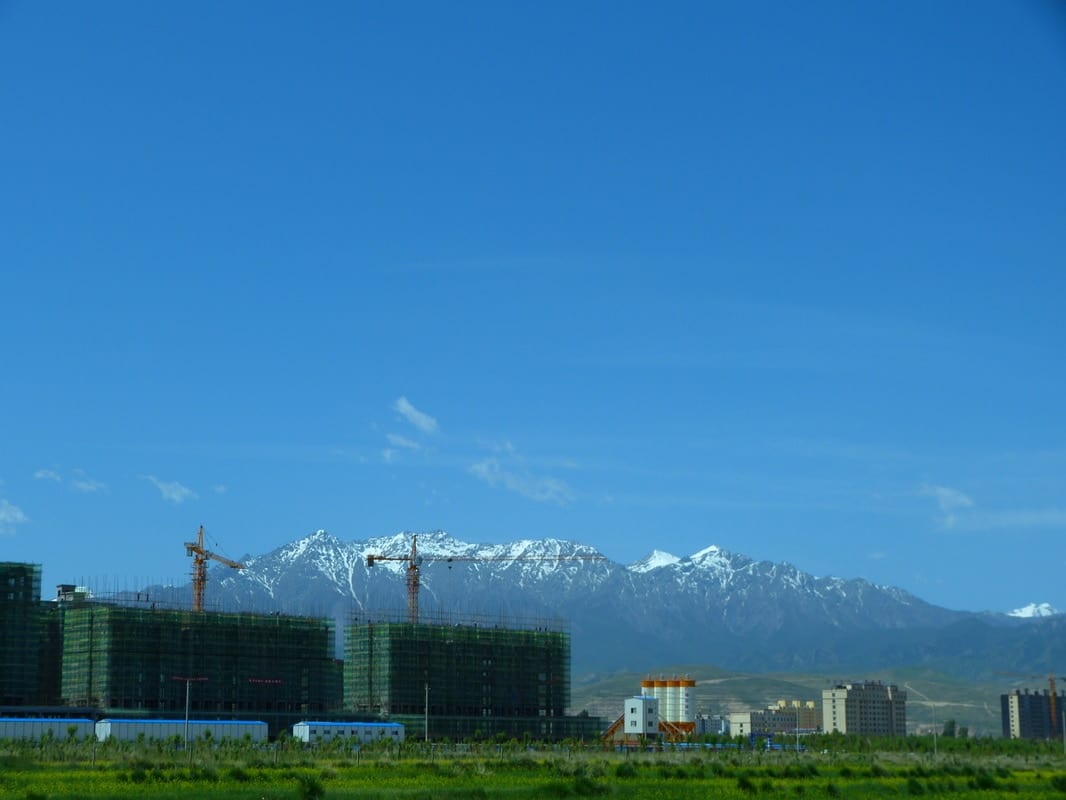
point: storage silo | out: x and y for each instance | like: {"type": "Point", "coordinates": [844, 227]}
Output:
{"type": "Point", "coordinates": [654, 688]}
{"type": "Point", "coordinates": [673, 696]}
{"type": "Point", "coordinates": [686, 707]}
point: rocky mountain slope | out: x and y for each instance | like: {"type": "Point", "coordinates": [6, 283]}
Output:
{"type": "Point", "coordinates": [710, 607]}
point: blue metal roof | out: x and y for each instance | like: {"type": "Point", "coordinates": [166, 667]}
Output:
{"type": "Point", "coordinates": [353, 724]}
{"type": "Point", "coordinates": [191, 721]}
{"type": "Point", "coordinates": [44, 719]}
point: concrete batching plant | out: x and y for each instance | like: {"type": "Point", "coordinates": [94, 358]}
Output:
{"type": "Point", "coordinates": [677, 716]}
{"type": "Point", "coordinates": [672, 703]}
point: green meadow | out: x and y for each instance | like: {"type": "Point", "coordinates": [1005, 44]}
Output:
{"type": "Point", "coordinates": [67, 770]}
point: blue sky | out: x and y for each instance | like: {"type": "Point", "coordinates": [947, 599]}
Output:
{"type": "Point", "coordinates": [782, 277]}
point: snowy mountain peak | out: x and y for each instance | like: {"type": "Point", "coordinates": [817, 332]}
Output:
{"type": "Point", "coordinates": [654, 560]}
{"type": "Point", "coordinates": [311, 542]}
{"type": "Point", "coordinates": [1034, 610]}
{"type": "Point", "coordinates": [712, 556]}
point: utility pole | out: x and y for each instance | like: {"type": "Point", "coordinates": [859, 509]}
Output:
{"type": "Point", "coordinates": [427, 711]}
{"type": "Point", "coordinates": [188, 682]}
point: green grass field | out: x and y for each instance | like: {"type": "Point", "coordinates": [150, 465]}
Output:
{"type": "Point", "coordinates": [64, 771]}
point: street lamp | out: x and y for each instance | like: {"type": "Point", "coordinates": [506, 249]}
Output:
{"type": "Point", "coordinates": [188, 681]}
{"type": "Point", "coordinates": [932, 705]}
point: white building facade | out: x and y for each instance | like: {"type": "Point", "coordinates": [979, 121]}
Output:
{"type": "Point", "coordinates": [354, 732]}
{"type": "Point", "coordinates": [642, 716]}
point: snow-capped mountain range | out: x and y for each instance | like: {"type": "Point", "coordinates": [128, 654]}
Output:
{"type": "Point", "coordinates": [1034, 610]}
{"type": "Point", "coordinates": [710, 607]}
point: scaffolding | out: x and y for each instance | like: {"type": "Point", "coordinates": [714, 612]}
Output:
{"type": "Point", "coordinates": [461, 678]}
{"type": "Point", "coordinates": [21, 620]}
{"type": "Point", "coordinates": [137, 661]}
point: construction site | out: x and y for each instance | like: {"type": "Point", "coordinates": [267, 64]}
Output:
{"type": "Point", "coordinates": [122, 656]}
{"type": "Point", "coordinates": [21, 634]}
{"type": "Point", "coordinates": [127, 660]}
{"type": "Point", "coordinates": [464, 678]}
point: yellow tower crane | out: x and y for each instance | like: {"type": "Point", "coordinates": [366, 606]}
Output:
{"type": "Point", "coordinates": [415, 560]}
{"type": "Point", "coordinates": [200, 555]}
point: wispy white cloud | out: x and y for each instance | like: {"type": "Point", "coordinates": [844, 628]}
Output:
{"type": "Point", "coordinates": [1018, 519]}
{"type": "Point", "coordinates": [10, 516]}
{"type": "Point", "coordinates": [172, 490]}
{"type": "Point", "coordinates": [388, 455]}
{"type": "Point", "coordinates": [879, 555]}
{"type": "Point", "coordinates": [541, 489]}
{"type": "Point", "coordinates": [421, 420]}
{"type": "Point", "coordinates": [402, 441]}
{"type": "Point", "coordinates": [960, 512]}
{"type": "Point", "coordinates": [505, 447]}
{"type": "Point", "coordinates": [83, 483]}
{"type": "Point", "coordinates": [219, 488]}
{"type": "Point", "coordinates": [79, 481]}
{"type": "Point", "coordinates": [949, 500]}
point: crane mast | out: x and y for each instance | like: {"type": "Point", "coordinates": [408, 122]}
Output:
{"type": "Point", "coordinates": [200, 556]}
{"type": "Point", "coordinates": [415, 560]}
{"type": "Point", "coordinates": [414, 580]}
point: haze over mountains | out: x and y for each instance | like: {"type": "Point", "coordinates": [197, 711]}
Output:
{"type": "Point", "coordinates": [712, 607]}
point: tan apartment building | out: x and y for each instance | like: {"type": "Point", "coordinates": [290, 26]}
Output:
{"type": "Point", "coordinates": [870, 708]}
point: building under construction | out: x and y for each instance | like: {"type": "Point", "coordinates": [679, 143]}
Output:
{"type": "Point", "coordinates": [136, 661]}
{"type": "Point", "coordinates": [1036, 715]}
{"type": "Point", "coordinates": [21, 634]}
{"type": "Point", "coordinates": [469, 679]}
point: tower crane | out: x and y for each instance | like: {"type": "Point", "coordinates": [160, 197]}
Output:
{"type": "Point", "coordinates": [415, 560]}
{"type": "Point", "coordinates": [200, 555]}
{"type": "Point", "coordinates": [1050, 678]}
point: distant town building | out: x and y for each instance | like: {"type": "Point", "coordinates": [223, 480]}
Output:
{"type": "Point", "coordinates": [711, 725]}
{"type": "Point", "coordinates": [742, 724]}
{"type": "Point", "coordinates": [787, 716]}
{"type": "Point", "coordinates": [1028, 715]}
{"type": "Point", "coordinates": [870, 708]}
{"type": "Point", "coordinates": [808, 716]}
